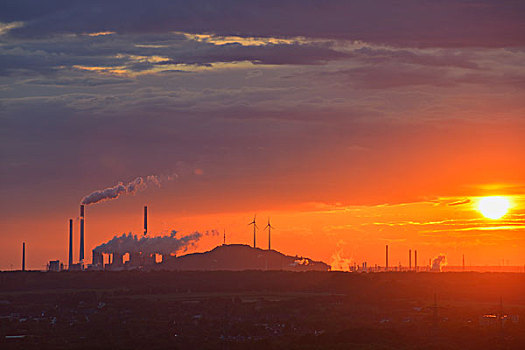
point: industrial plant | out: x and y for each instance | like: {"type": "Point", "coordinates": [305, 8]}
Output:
{"type": "Point", "coordinates": [147, 253]}
{"type": "Point", "coordinates": [131, 252]}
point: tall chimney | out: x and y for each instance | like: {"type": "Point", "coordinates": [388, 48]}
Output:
{"type": "Point", "coordinates": [415, 260]}
{"type": "Point", "coordinates": [70, 243]}
{"type": "Point", "coordinates": [81, 253]}
{"type": "Point", "coordinates": [463, 262]}
{"type": "Point", "coordinates": [386, 264]}
{"type": "Point", "coordinates": [410, 259]}
{"type": "Point", "coordinates": [145, 220]}
{"type": "Point", "coordinates": [23, 256]}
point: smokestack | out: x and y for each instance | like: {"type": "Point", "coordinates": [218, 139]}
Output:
{"type": "Point", "coordinates": [410, 259]}
{"type": "Point", "coordinates": [81, 253]}
{"type": "Point", "coordinates": [463, 262]}
{"type": "Point", "coordinates": [70, 243]}
{"type": "Point", "coordinates": [386, 263]}
{"type": "Point", "coordinates": [415, 260]}
{"type": "Point", "coordinates": [145, 220]}
{"type": "Point", "coordinates": [23, 256]}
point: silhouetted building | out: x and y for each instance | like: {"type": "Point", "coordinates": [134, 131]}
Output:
{"type": "Point", "coordinates": [54, 266]}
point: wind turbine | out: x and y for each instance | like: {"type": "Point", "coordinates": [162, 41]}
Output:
{"type": "Point", "coordinates": [254, 229]}
{"type": "Point", "coordinates": [269, 227]}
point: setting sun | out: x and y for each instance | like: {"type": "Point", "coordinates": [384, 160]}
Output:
{"type": "Point", "coordinates": [493, 207]}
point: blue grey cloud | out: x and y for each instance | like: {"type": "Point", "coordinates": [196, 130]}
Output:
{"type": "Point", "coordinates": [449, 23]}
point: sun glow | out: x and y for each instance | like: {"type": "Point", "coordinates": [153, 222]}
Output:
{"type": "Point", "coordinates": [493, 207]}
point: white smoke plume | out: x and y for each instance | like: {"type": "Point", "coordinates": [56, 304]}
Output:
{"type": "Point", "coordinates": [139, 184]}
{"type": "Point", "coordinates": [301, 261]}
{"type": "Point", "coordinates": [438, 262]}
{"type": "Point", "coordinates": [338, 261]}
{"type": "Point", "coordinates": [116, 191]}
{"type": "Point", "coordinates": [152, 245]}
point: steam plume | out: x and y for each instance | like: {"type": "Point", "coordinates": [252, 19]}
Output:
{"type": "Point", "coordinates": [150, 245]}
{"type": "Point", "coordinates": [116, 191]}
{"type": "Point", "coordinates": [339, 262]}
{"type": "Point", "coordinates": [438, 262]}
{"type": "Point", "coordinates": [139, 184]}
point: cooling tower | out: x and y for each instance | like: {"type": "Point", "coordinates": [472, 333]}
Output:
{"type": "Point", "coordinates": [118, 259]}
{"type": "Point", "coordinates": [98, 259]}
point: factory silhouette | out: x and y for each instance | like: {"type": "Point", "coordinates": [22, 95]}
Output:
{"type": "Point", "coordinates": [147, 252]}
{"type": "Point", "coordinates": [160, 253]}
{"type": "Point", "coordinates": [131, 252]}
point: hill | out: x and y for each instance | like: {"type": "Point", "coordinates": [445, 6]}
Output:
{"type": "Point", "coordinates": [238, 257]}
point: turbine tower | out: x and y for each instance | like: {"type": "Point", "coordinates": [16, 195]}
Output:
{"type": "Point", "coordinates": [254, 229]}
{"type": "Point", "coordinates": [269, 227]}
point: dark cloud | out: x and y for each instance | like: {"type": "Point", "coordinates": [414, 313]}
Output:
{"type": "Point", "coordinates": [80, 80]}
{"type": "Point", "coordinates": [48, 55]}
{"type": "Point", "coordinates": [275, 54]}
{"type": "Point", "coordinates": [449, 23]}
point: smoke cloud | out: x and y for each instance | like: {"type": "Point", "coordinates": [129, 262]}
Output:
{"type": "Point", "coordinates": [438, 262]}
{"type": "Point", "coordinates": [139, 184]}
{"type": "Point", "coordinates": [339, 262]}
{"type": "Point", "coordinates": [152, 245]}
{"type": "Point", "coordinates": [116, 191]}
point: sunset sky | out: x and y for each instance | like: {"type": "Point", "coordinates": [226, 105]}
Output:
{"type": "Point", "coordinates": [352, 124]}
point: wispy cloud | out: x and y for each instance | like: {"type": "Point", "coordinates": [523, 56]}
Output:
{"type": "Point", "coordinates": [481, 228]}
{"type": "Point", "coordinates": [6, 27]}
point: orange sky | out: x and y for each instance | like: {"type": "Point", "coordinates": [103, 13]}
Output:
{"type": "Point", "coordinates": [349, 129]}
{"type": "Point", "coordinates": [334, 233]}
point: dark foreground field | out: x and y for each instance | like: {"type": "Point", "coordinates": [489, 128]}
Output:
{"type": "Point", "coordinates": [261, 310]}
